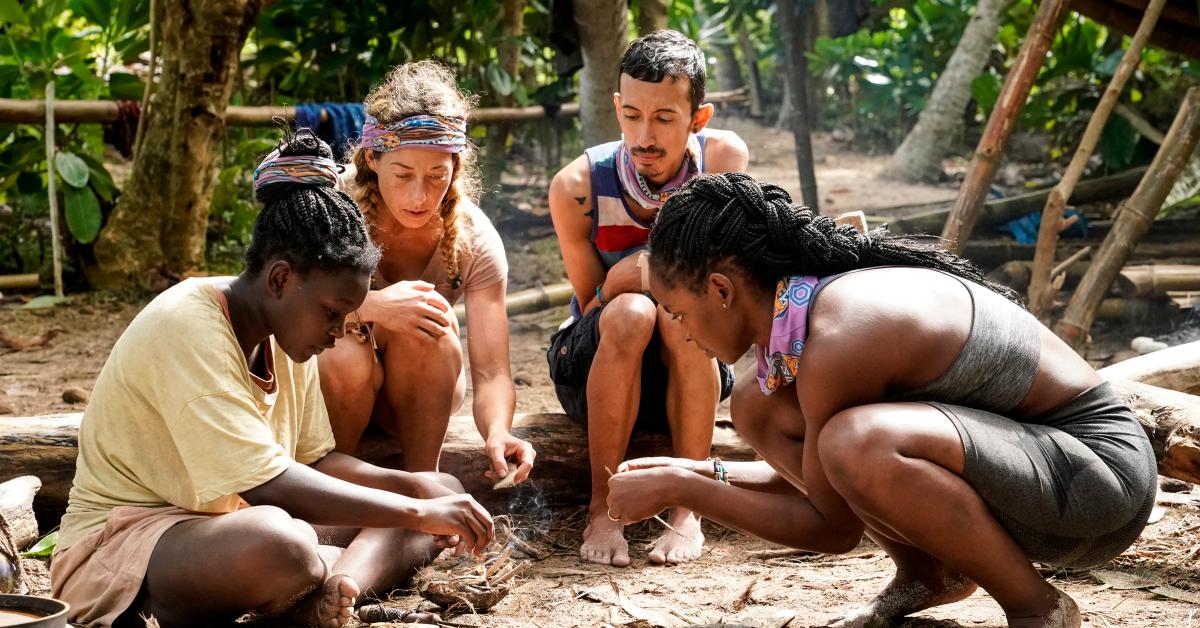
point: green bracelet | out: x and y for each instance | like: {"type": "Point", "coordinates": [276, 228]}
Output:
{"type": "Point", "coordinates": [600, 295]}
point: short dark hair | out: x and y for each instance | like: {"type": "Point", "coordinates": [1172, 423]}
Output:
{"type": "Point", "coordinates": [666, 53]}
{"type": "Point", "coordinates": [311, 225]}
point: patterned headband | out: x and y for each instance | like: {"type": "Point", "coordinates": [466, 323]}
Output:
{"type": "Point", "coordinates": [439, 133]}
{"type": "Point", "coordinates": [298, 169]}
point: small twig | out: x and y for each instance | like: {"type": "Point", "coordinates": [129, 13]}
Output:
{"type": "Point", "coordinates": [1075, 257]}
{"type": "Point", "coordinates": [505, 577]}
{"type": "Point", "coordinates": [498, 564]}
{"type": "Point", "coordinates": [778, 553]}
{"type": "Point", "coordinates": [526, 548]}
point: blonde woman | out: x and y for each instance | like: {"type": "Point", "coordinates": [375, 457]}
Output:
{"type": "Point", "coordinates": [413, 177]}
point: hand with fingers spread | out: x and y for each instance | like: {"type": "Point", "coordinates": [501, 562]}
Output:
{"type": "Point", "coordinates": [412, 305]}
{"type": "Point", "coordinates": [634, 495]}
{"type": "Point", "coordinates": [458, 515]}
{"type": "Point", "coordinates": [501, 446]}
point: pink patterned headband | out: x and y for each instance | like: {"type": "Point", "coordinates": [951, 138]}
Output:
{"type": "Point", "coordinates": [438, 133]}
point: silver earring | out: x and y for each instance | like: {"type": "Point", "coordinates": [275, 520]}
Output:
{"type": "Point", "coordinates": [724, 305]}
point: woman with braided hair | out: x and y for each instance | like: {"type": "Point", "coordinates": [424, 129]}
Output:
{"type": "Point", "coordinates": [897, 394]}
{"type": "Point", "coordinates": [207, 485]}
{"type": "Point", "coordinates": [413, 176]}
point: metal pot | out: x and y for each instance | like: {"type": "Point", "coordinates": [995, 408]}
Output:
{"type": "Point", "coordinates": [46, 612]}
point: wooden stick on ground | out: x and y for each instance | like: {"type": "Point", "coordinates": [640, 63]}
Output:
{"type": "Point", "coordinates": [1041, 290]}
{"type": "Point", "coordinates": [1132, 223]}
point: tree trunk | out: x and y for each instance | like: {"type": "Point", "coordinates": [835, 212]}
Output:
{"type": "Point", "coordinates": [750, 58]}
{"type": "Point", "coordinates": [160, 221]}
{"type": "Point", "coordinates": [510, 62]}
{"type": "Point", "coordinates": [939, 126]}
{"type": "Point", "coordinates": [1133, 221]}
{"type": "Point", "coordinates": [796, 26]}
{"type": "Point", "coordinates": [652, 16]}
{"type": "Point", "coordinates": [729, 71]}
{"type": "Point", "coordinates": [602, 36]}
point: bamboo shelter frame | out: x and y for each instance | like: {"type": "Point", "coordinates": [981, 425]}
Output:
{"type": "Point", "coordinates": [106, 111]}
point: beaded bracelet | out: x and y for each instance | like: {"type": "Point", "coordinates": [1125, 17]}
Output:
{"type": "Point", "coordinates": [719, 473]}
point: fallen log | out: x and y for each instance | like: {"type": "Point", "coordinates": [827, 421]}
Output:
{"type": "Point", "coordinates": [1172, 421]}
{"type": "Point", "coordinates": [1154, 281]}
{"type": "Point", "coordinates": [16, 509]}
{"type": "Point", "coordinates": [988, 254]}
{"type": "Point", "coordinates": [999, 211]}
{"type": "Point", "coordinates": [1016, 274]}
{"type": "Point", "coordinates": [46, 446]}
{"type": "Point", "coordinates": [1176, 368]}
{"type": "Point", "coordinates": [27, 280]}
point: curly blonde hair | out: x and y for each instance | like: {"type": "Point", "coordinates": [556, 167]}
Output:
{"type": "Point", "coordinates": [420, 88]}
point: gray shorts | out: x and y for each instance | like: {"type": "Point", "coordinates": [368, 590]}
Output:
{"type": "Point", "coordinates": [1074, 487]}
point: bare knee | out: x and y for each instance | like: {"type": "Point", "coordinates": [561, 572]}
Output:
{"type": "Point", "coordinates": [443, 354]}
{"type": "Point", "coordinates": [628, 321]}
{"type": "Point", "coordinates": [445, 479]}
{"type": "Point", "coordinates": [348, 370]}
{"type": "Point", "coordinates": [282, 552]}
{"type": "Point", "coordinates": [854, 446]}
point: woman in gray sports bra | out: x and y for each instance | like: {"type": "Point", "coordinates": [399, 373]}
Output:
{"type": "Point", "coordinates": [899, 394]}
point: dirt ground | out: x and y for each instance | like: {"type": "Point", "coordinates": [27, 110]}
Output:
{"type": "Point", "coordinates": [729, 583]}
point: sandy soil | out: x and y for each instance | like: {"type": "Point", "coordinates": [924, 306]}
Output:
{"type": "Point", "coordinates": [727, 583]}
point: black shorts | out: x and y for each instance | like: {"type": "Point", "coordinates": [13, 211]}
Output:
{"type": "Point", "coordinates": [570, 355]}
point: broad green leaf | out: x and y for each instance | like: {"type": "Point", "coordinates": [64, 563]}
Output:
{"type": "Point", "coordinates": [72, 168]}
{"type": "Point", "coordinates": [83, 213]}
{"type": "Point", "coordinates": [11, 12]}
{"type": "Point", "coordinates": [101, 181]}
{"type": "Point", "coordinates": [43, 302]}
{"type": "Point", "coordinates": [44, 547]}
{"type": "Point", "coordinates": [985, 89]}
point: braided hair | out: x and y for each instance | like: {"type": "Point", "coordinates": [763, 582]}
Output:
{"type": "Point", "coordinates": [731, 218]}
{"type": "Point", "coordinates": [309, 224]}
{"type": "Point", "coordinates": [422, 87]}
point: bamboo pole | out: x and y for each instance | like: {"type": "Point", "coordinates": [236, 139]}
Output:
{"type": "Point", "coordinates": [141, 127]}
{"type": "Point", "coordinates": [529, 301]}
{"type": "Point", "coordinates": [56, 239]}
{"type": "Point", "coordinates": [1154, 281]}
{"type": "Point", "coordinates": [105, 111]}
{"type": "Point", "coordinates": [1133, 221]}
{"type": "Point", "coordinates": [1041, 288]}
{"type": "Point", "coordinates": [26, 280]}
{"type": "Point", "coordinates": [1001, 123]}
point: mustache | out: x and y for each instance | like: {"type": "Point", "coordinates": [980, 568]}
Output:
{"type": "Point", "coordinates": [656, 151]}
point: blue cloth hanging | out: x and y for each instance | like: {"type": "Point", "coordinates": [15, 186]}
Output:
{"type": "Point", "coordinates": [340, 131]}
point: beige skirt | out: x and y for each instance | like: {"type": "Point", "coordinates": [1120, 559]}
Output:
{"type": "Point", "coordinates": [101, 574]}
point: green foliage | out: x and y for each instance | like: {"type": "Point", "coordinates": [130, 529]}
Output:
{"type": "Point", "coordinates": [84, 47]}
{"type": "Point", "coordinates": [43, 548]}
{"type": "Point", "coordinates": [878, 78]}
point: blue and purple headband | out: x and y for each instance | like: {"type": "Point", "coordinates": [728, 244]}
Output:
{"type": "Point", "coordinates": [438, 133]}
{"type": "Point", "coordinates": [297, 169]}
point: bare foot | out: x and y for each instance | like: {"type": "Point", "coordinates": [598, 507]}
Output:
{"type": "Point", "coordinates": [679, 547]}
{"type": "Point", "coordinates": [1062, 614]}
{"type": "Point", "coordinates": [905, 595]}
{"type": "Point", "coordinates": [329, 606]}
{"type": "Point", "coordinates": [604, 541]}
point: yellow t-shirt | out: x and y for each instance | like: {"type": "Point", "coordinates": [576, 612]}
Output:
{"type": "Point", "coordinates": [176, 419]}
